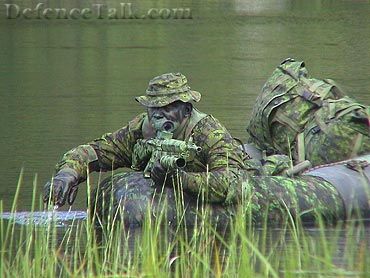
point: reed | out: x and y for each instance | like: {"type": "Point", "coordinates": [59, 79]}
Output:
{"type": "Point", "coordinates": [185, 250]}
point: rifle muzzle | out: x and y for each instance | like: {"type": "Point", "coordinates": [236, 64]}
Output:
{"type": "Point", "coordinates": [172, 161]}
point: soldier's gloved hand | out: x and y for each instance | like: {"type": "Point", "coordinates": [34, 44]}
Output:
{"type": "Point", "coordinates": [62, 188]}
{"type": "Point", "coordinates": [162, 176]}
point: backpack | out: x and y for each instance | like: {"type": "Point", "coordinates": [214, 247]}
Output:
{"type": "Point", "coordinates": [339, 131]}
{"type": "Point", "coordinates": [295, 113]}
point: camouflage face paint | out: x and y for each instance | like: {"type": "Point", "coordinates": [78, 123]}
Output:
{"type": "Point", "coordinates": [169, 117]}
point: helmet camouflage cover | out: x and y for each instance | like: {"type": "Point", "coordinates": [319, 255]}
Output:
{"type": "Point", "coordinates": [167, 88]}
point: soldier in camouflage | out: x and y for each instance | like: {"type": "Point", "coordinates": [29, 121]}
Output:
{"type": "Point", "coordinates": [167, 98]}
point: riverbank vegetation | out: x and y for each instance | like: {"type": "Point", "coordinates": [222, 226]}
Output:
{"type": "Point", "coordinates": [182, 250]}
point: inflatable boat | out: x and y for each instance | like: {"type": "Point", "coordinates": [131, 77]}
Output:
{"type": "Point", "coordinates": [128, 197]}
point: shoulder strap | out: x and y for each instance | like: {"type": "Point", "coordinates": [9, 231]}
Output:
{"type": "Point", "coordinates": [196, 117]}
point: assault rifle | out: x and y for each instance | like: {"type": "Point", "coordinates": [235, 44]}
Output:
{"type": "Point", "coordinates": [171, 153]}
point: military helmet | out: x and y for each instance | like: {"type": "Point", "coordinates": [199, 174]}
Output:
{"type": "Point", "coordinates": [167, 88]}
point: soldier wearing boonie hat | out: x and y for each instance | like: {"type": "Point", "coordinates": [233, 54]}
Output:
{"type": "Point", "coordinates": [168, 98]}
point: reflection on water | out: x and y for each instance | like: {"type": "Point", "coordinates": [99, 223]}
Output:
{"type": "Point", "coordinates": [44, 218]}
{"type": "Point", "coordinates": [344, 237]}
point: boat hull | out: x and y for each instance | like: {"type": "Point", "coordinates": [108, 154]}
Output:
{"type": "Point", "coordinates": [128, 197]}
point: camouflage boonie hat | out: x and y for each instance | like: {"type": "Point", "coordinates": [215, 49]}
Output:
{"type": "Point", "coordinates": [168, 88]}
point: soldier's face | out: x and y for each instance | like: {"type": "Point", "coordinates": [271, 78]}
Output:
{"type": "Point", "coordinates": [168, 117]}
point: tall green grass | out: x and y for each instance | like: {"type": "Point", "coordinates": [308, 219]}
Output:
{"type": "Point", "coordinates": [183, 250]}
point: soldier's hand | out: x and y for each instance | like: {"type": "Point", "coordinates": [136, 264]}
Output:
{"type": "Point", "coordinates": [61, 189]}
{"type": "Point", "coordinates": [162, 176]}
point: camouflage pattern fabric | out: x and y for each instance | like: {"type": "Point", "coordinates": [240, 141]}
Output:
{"type": "Point", "coordinates": [283, 104]}
{"type": "Point", "coordinates": [274, 165]}
{"type": "Point", "coordinates": [301, 116]}
{"type": "Point", "coordinates": [128, 196]}
{"type": "Point", "coordinates": [278, 197]}
{"type": "Point", "coordinates": [212, 171]}
{"type": "Point", "coordinates": [168, 88]}
{"type": "Point", "coordinates": [340, 131]}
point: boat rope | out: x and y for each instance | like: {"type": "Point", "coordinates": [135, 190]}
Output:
{"type": "Point", "coordinates": [350, 163]}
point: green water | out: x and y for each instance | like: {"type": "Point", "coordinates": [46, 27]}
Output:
{"type": "Point", "coordinates": [65, 82]}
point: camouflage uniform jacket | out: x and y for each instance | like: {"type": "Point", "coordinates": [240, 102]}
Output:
{"type": "Point", "coordinates": [212, 172]}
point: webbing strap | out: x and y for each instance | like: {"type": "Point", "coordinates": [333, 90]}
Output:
{"type": "Point", "coordinates": [331, 107]}
{"type": "Point", "coordinates": [324, 92]}
{"type": "Point", "coordinates": [349, 109]}
{"type": "Point", "coordinates": [308, 95]}
{"type": "Point", "coordinates": [319, 89]}
{"type": "Point", "coordinates": [357, 145]}
{"type": "Point", "coordinates": [315, 85]}
{"type": "Point", "coordinates": [336, 90]}
{"type": "Point", "coordinates": [281, 118]}
{"type": "Point", "coordinates": [323, 126]}
{"type": "Point", "coordinates": [196, 117]}
{"type": "Point", "coordinates": [282, 79]}
{"type": "Point", "coordinates": [300, 147]}
{"type": "Point", "coordinates": [287, 71]}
